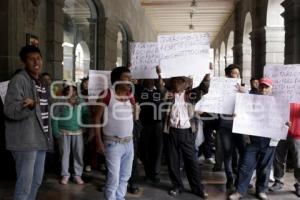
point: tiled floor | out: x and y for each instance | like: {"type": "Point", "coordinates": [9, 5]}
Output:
{"type": "Point", "coordinates": [213, 181]}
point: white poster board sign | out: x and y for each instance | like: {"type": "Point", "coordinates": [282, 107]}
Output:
{"type": "Point", "coordinates": [286, 82]}
{"type": "Point", "coordinates": [184, 54]}
{"type": "Point", "coordinates": [3, 90]}
{"type": "Point", "coordinates": [98, 81]}
{"type": "Point", "coordinates": [144, 57]}
{"type": "Point", "coordinates": [220, 97]}
{"type": "Point", "coordinates": [259, 115]}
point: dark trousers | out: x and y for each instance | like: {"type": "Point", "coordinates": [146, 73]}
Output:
{"type": "Point", "coordinates": [257, 156]}
{"type": "Point", "coordinates": [182, 141]}
{"type": "Point", "coordinates": [230, 142]}
{"type": "Point", "coordinates": [208, 128]}
{"type": "Point", "coordinates": [292, 146]}
{"type": "Point", "coordinates": [136, 137]}
{"type": "Point", "coordinates": [219, 155]}
{"type": "Point", "coordinates": [151, 146]}
{"type": "Point", "coordinates": [88, 151]}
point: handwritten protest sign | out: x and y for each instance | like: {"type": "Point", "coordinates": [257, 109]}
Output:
{"type": "Point", "coordinates": [144, 57]}
{"type": "Point", "coordinates": [184, 54]}
{"type": "Point", "coordinates": [3, 89]}
{"type": "Point", "coordinates": [98, 81]}
{"type": "Point", "coordinates": [259, 115]}
{"type": "Point", "coordinates": [221, 96]}
{"type": "Point", "coordinates": [286, 82]}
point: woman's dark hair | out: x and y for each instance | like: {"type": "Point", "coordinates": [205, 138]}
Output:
{"type": "Point", "coordinates": [82, 89]}
{"type": "Point", "coordinates": [66, 90]}
{"type": "Point", "coordinates": [117, 73]}
{"type": "Point", "coordinates": [28, 49]}
{"type": "Point", "coordinates": [46, 74]}
{"type": "Point", "coordinates": [231, 67]}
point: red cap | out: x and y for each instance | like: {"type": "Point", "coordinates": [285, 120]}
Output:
{"type": "Point", "coordinates": [266, 81]}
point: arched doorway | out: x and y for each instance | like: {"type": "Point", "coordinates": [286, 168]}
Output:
{"type": "Point", "coordinates": [82, 62]}
{"type": "Point", "coordinates": [217, 62]}
{"type": "Point", "coordinates": [229, 51]}
{"type": "Point", "coordinates": [80, 38]}
{"type": "Point", "coordinates": [123, 39]}
{"type": "Point", "coordinates": [222, 59]}
{"type": "Point", "coordinates": [119, 50]}
{"type": "Point", "coordinates": [247, 50]}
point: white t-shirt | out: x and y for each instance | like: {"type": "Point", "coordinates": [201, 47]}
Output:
{"type": "Point", "coordinates": [119, 118]}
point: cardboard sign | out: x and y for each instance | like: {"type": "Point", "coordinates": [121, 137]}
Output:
{"type": "Point", "coordinates": [259, 115]}
{"type": "Point", "coordinates": [3, 90]}
{"type": "Point", "coordinates": [144, 57]}
{"type": "Point", "coordinates": [220, 97]}
{"type": "Point", "coordinates": [184, 54]}
{"type": "Point", "coordinates": [98, 81]}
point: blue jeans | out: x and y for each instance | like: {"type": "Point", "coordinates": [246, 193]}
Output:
{"type": "Point", "coordinates": [258, 155]}
{"type": "Point", "coordinates": [119, 158]}
{"type": "Point", "coordinates": [30, 171]}
{"type": "Point", "coordinates": [230, 142]}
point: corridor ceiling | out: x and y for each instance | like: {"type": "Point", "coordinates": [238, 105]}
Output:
{"type": "Point", "coordinates": [170, 16]}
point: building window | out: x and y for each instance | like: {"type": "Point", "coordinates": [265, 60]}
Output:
{"type": "Point", "coordinates": [79, 46]}
{"type": "Point", "coordinates": [122, 47]}
{"type": "Point", "coordinates": [119, 50]}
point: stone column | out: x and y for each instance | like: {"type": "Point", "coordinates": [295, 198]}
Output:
{"type": "Point", "coordinates": [238, 54]}
{"type": "Point", "coordinates": [292, 30]}
{"type": "Point", "coordinates": [101, 29]}
{"type": "Point", "coordinates": [55, 37]}
{"type": "Point", "coordinates": [275, 45]}
{"type": "Point", "coordinates": [111, 36]}
{"type": "Point", "coordinates": [92, 43]}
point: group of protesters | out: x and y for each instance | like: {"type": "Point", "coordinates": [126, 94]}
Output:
{"type": "Point", "coordinates": [151, 120]}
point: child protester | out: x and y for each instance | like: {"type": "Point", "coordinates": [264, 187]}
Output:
{"type": "Point", "coordinates": [67, 128]}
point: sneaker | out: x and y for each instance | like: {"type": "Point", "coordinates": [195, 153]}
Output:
{"type": "Point", "coordinates": [78, 180]}
{"type": "Point", "coordinates": [64, 180]}
{"type": "Point", "coordinates": [262, 196]}
{"type": "Point", "coordinates": [133, 189]}
{"type": "Point", "coordinates": [174, 192]}
{"type": "Point", "coordinates": [235, 196]}
{"type": "Point", "coordinates": [210, 161]}
{"type": "Point", "coordinates": [202, 195]}
{"type": "Point", "coordinates": [276, 186]}
{"type": "Point", "coordinates": [297, 187]}
{"type": "Point", "coordinates": [88, 168]}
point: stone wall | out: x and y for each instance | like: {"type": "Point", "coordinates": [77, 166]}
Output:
{"type": "Point", "coordinates": [44, 19]}
{"type": "Point", "coordinates": [266, 35]}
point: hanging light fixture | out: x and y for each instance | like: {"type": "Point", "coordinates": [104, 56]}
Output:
{"type": "Point", "coordinates": [193, 4]}
{"type": "Point", "coordinates": [191, 26]}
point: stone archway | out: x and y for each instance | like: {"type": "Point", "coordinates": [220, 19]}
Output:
{"type": "Point", "coordinates": [247, 50]}
{"type": "Point", "coordinates": [80, 35]}
{"type": "Point", "coordinates": [124, 37]}
{"type": "Point", "coordinates": [222, 59]}
{"type": "Point", "coordinates": [229, 49]}
{"type": "Point", "coordinates": [82, 62]}
{"type": "Point", "coordinates": [217, 63]}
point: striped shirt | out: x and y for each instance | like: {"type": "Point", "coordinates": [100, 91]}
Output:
{"type": "Point", "coordinates": [43, 103]}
